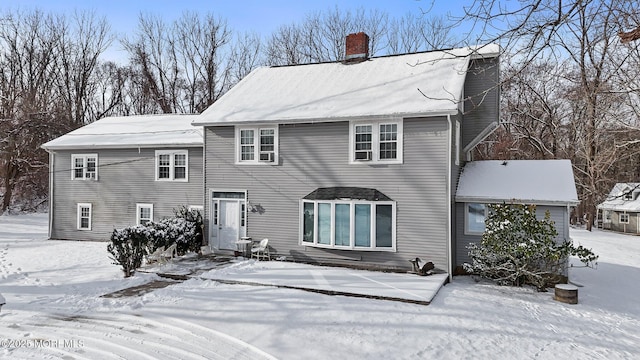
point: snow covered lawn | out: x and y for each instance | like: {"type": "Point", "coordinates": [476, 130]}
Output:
{"type": "Point", "coordinates": [54, 310]}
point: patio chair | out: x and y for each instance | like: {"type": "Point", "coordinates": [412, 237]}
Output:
{"type": "Point", "coordinates": [170, 253]}
{"type": "Point", "coordinates": [155, 256]}
{"type": "Point", "coordinates": [261, 250]}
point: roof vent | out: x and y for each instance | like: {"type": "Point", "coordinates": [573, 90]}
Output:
{"type": "Point", "coordinates": [357, 47]}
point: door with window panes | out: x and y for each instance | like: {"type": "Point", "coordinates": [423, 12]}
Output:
{"type": "Point", "coordinates": [228, 219]}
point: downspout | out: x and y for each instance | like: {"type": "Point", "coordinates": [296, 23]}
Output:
{"type": "Point", "coordinates": [51, 182]}
{"type": "Point", "coordinates": [449, 222]}
{"type": "Point", "coordinates": [204, 191]}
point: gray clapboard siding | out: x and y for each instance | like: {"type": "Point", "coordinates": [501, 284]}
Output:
{"type": "Point", "coordinates": [316, 155]}
{"type": "Point", "coordinates": [558, 215]}
{"type": "Point", "coordinates": [615, 224]}
{"type": "Point", "coordinates": [482, 108]}
{"type": "Point", "coordinates": [126, 177]}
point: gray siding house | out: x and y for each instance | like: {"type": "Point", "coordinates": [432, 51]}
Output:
{"type": "Point", "coordinates": [352, 162]}
{"type": "Point", "coordinates": [547, 184]}
{"type": "Point", "coordinates": [621, 209]}
{"type": "Point", "coordinates": [122, 171]}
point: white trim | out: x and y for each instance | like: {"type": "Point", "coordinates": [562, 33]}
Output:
{"type": "Point", "coordinates": [52, 171]}
{"type": "Point", "coordinates": [351, 246]}
{"type": "Point", "coordinates": [620, 218]}
{"type": "Point", "coordinates": [79, 216]}
{"type": "Point", "coordinates": [374, 157]}
{"type": "Point", "coordinates": [86, 175]}
{"type": "Point", "coordinates": [213, 226]}
{"type": "Point", "coordinates": [332, 119]}
{"type": "Point", "coordinates": [172, 164]}
{"type": "Point", "coordinates": [141, 206]}
{"type": "Point", "coordinates": [273, 158]}
{"type": "Point", "coordinates": [457, 143]}
{"type": "Point", "coordinates": [466, 218]}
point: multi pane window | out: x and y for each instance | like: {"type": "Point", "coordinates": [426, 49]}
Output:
{"type": "Point", "coordinates": [624, 218]}
{"type": "Point", "coordinates": [363, 142]}
{"type": "Point", "coordinates": [84, 167]}
{"type": "Point", "coordinates": [144, 213]}
{"type": "Point", "coordinates": [172, 165]}
{"type": "Point", "coordinates": [376, 142]}
{"type": "Point", "coordinates": [247, 149]}
{"type": "Point", "coordinates": [388, 141]}
{"type": "Point", "coordinates": [353, 224]}
{"type": "Point", "coordinates": [267, 144]}
{"type": "Point", "coordinates": [84, 217]}
{"type": "Point", "coordinates": [257, 145]}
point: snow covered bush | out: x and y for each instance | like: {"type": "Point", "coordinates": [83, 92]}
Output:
{"type": "Point", "coordinates": [195, 224]}
{"type": "Point", "coordinates": [128, 247]}
{"type": "Point", "coordinates": [518, 249]}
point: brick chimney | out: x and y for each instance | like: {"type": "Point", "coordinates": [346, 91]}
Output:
{"type": "Point", "coordinates": [357, 47]}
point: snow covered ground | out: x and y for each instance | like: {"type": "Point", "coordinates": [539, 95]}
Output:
{"type": "Point", "coordinates": [54, 310]}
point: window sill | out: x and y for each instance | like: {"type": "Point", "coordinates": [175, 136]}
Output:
{"type": "Point", "coordinates": [259, 163]}
{"type": "Point", "coordinates": [348, 248]}
{"type": "Point", "coordinates": [376, 162]}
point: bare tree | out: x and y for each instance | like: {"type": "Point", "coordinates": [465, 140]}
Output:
{"type": "Point", "coordinates": [321, 36]}
{"type": "Point", "coordinates": [47, 64]}
{"type": "Point", "coordinates": [582, 35]}
{"type": "Point", "coordinates": [82, 40]}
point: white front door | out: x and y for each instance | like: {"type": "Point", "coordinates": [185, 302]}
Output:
{"type": "Point", "coordinates": [227, 221]}
{"type": "Point", "coordinates": [228, 224]}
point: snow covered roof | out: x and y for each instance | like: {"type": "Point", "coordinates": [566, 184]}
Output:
{"type": "Point", "coordinates": [428, 83]}
{"type": "Point", "coordinates": [542, 182]}
{"type": "Point", "coordinates": [132, 131]}
{"type": "Point", "coordinates": [623, 197]}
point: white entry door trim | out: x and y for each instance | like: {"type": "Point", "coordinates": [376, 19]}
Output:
{"type": "Point", "coordinates": [227, 220]}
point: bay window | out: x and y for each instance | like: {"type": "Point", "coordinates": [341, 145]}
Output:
{"type": "Point", "coordinates": [351, 224]}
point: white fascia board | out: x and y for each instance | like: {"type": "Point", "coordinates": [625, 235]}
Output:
{"type": "Point", "coordinates": [484, 200]}
{"type": "Point", "coordinates": [119, 146]}
{"type": "Point", "coordinates": [329, 119]}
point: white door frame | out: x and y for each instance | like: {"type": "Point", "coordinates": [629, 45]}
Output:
{"type": "Point", "coordinates": [222, 195]}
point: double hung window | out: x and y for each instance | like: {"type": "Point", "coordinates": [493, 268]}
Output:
{"type": "Point", "coordinates": [84, 216]}
{"type": "Point", "coordinates": [172, 165]}
{"type": "Point", "coordinates": [378, 141]}
{"type": "Point", "coordinates": [144, 213]}
{"type": "Point", "coordinates": [257, 145]}
{"type": "Point", "coordinates": [84, 167]}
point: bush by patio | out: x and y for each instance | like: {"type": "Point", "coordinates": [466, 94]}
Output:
{"type": "Point", "coordinates": [129, 245]}
{"type": "Point", "coordinates": [518, 249]}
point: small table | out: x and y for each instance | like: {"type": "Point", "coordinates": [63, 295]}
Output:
{"type": "Point", "coordinates": [244, 245]}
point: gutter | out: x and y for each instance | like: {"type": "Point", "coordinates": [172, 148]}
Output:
{"type": "Point", "coordinates": [483, 200]}
{"type": "Point", "coordinates": [328, 119]}
{"type": "Point", "coordinates": [479, 138]}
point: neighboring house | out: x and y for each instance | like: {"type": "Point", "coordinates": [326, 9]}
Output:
{"type": "Point", "coordinates": [122, 171]}
{"type": "Point", "coordinates": [548, 184]}
{"type": "Point", "coordinates": [352, 162]}
{"type": "Point", "coordinates": [621, 210]}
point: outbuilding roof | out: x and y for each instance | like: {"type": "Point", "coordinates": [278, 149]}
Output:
{"type": "Point", "coordinates": [427, 83]}
{"type": "Point", "coordinates": [541, 182]}
{"type": "Point", "coordinates": [623, 197]}
{"type": "Point", "coordinates": [167, 130]}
